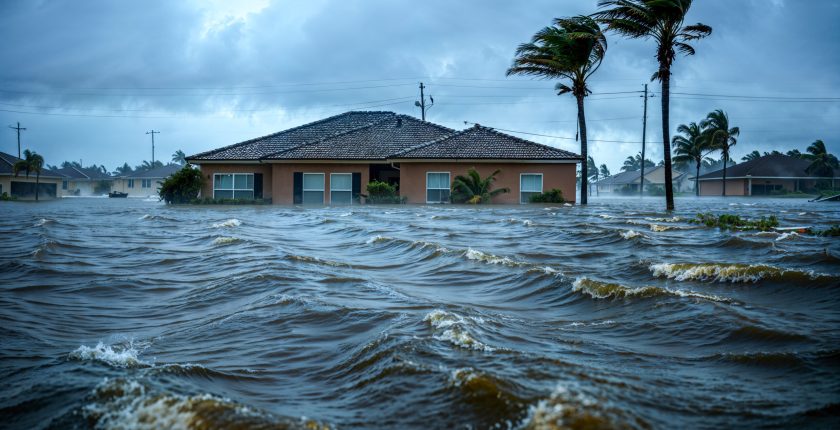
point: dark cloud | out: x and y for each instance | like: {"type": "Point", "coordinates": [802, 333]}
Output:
{"type": "Point", "coordinates": [211, 74]}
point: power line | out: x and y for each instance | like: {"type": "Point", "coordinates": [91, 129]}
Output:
{"type": "Point", "coordinates": [18, 129]}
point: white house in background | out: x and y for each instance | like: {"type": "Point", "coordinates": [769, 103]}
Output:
{"type": "Point", "coordinates": [628, 182]}
{"type": "Point", "coordinates": [23, 187]}
{"type": "Point", "coordinates": [84, 182]}
{"type": "Point", "coordinates": [146, 183]}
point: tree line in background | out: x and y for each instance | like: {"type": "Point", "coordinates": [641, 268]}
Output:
{"type": "Point", "coordinates": [178, 157]}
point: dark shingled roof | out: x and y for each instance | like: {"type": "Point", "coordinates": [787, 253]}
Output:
{"type": "Point", "coordinates": [484, 143]}
{"type": "Point", "coordinates": [377, 141]}
{"type": "Point", "coordinates": [7, 161]}
{"type": "Point", "coordinates": [158, 172]}
{"type": "Point", "coordinates": [768, 166]}
{"type": "Point", "coordinates": [260, 147]}
{"type": "Point", "coordinates": [623, 178]}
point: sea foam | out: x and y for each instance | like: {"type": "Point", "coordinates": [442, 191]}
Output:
{"type": "Point", "coordinates": [453, 328]}
{"type": "Point", "coordinates": [113, 355]}
{"type": "Point", "coordinates": [233, 222]}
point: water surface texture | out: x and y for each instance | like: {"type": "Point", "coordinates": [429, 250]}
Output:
{"type": "Point", "coordinates": [124, 313]}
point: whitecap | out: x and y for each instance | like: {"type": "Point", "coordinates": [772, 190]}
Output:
{"type": "Point", "coordinates": [223, 240]}
{"type": "Point", "coordinates": [114, 355]}
{"type": "Point", "coordinates": [376, 239]}
{"type": "Point", "coordinates": [787, 235]}
{"type": "Point", "coordinates": [484, 257]}
{"type": "Point", "coordinates": [605, 216]}
{"type": "Point", "coordinates": [630, 234]}
{"type": "Point", "coordinates": [233, 222]}
{"type": "Point", "coordinates": [453, 328]}
{"type": "Point", "coordinates": [42, 221]}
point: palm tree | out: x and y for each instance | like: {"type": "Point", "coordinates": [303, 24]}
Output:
{"type": "Point", "coordinates": [720, 136]}
{"type": "Point", "coordinates": [690, 147]}
{"type": "Point", "coordinates": [473, 189]}
{"type": "Point", "coordinates": [605, 172]}
{"type": "Point", "coordinates": [632, 164]}
{"type": "Point", "coordinates": [822, 163]}
{"type": "Point", "coordinates": [661, 20]}
{"type": "Point", "coordinates": [794, 153]}
{"type": "Point", "coordinates": [571, 50]}
{"type": "Point", "coordinates": [753, 156]}
{"type": "Point", "coordinates": [592, 168]}
{"type": "Point", "coordinates": [179, 157]}
{"type": "Point", "coordinates": [123, 170]}
{"type": "Point", "coordinates": [31, 163]}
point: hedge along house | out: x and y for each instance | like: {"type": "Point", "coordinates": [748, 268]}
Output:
{"type": "Point", "coordinates": [23, 187]}
{"type": "Point", "coordinates": [332, 160]}
{"type": "Point", "coordinates": [767, 175]}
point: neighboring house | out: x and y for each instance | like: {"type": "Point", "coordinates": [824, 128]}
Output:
{"type": "Point", "coordinates": [628, 182]}
{"type": "Point", "coordinates": [23, 187]}
{"type": "Point", "coordinates": [85, 181]}
{"type": "Point", "coordinates": [330, 162]}
{"type": "Point", "coordinates": [775, 173]}
{"type": "Point", "coordinates": [145, 183]}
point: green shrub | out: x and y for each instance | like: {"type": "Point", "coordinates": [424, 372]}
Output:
{"type": "Point", "coordinates": [552, 196]}
{"type": "Point", "coordinates": [182, 186]}
{"type": "Point", "coordinates": [833, 231]}
{"type": "Point", "coordinates": [6, 197]}
{"type": "Point", "coordinates": [735, 222]}
{"type": "Point", "coordinates": [383, 193]}
{"type": "Point", "coordinates": [655, 190]}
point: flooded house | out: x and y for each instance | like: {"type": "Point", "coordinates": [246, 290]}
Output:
{"type": "Point", "coordinates": [767, 175]}
{"type": "Point", "coordinates": [84, 181]}
{"type": "Point", "coordinates": [23, 186]}
{"type": "Point", "coordinates": [628, 182]}
{"type": "Point", "coordinates": [144, 183]}
{"type": "Point", "coordinates": [331, 161]}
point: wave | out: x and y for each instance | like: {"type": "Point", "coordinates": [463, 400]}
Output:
{"type": "Point", "coordinates": [117, 356]}
{"type": "Point", "coordinates": [787, 235]}
{"type": "Point", "coordinates": [452, 328]}
{"type": "Point", "coordinates": [150, 217]}
{"type": "Point", "coordinates": [233, 222]}
{"type": "Point", "coordinates": [476, 255]}
{"type": "Point", "coordinates": [573, 409]}
{"type": "Point", "coordinates": [630, 234]}
{"type": "Point", "coordinates": [122, 403]}
{"type": "Point", "coordinates": [605, 290]}
{"type": "Point", "coordinates": [223, 240]}
{"type": "Point", "coordinates": [672, 219]}
{"type": "Point", "coordinates": [768, 359]}
{"type": "Point", "coordinates": [315, 260]}
{"type": "Point", "coordinates": [733, 273]}
{"type": "Point", "coordinates": [43, 222]}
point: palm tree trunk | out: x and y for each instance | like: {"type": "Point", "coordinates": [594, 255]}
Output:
{"type": "Point", "coordinates": [665, 76]}
{"type": "Point", "coordinates": [37, 184]}
{"type": "Point", "coordinates": [725, 157]}
{"type": "Point", "coordinates": [584, 182]}
{"type": "Point", "coordinates": [697, 181]}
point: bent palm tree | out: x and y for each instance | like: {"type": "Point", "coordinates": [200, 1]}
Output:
{"type": "Point", "coordinates": [753, 156]}
{"type": "Point", "coordinates": [822, 163]}
{"type": "Point", "coordinates": [605, 172]}
{"type": "Point", "coordinates": [473, 189]}
{"type": "Point", "coordinates": [662, 21]}
{"type": "Point", "coordinates": [631, 164]}
{"type": "Point", "coordinates": [570, 50]}
{"type": "Point", "coordinates": [31, 163]}
{"type": "Point", "coordinates": [720, 136]}
{"type": "Point", "coordinates": [179, 157]}
{"type": "Point", "coordinates": [690, 147]}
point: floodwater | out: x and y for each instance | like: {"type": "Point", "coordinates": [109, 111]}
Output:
{"type": "Point", "coordinates": [130, 314]}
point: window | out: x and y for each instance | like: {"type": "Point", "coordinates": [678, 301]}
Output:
{"type": "Point", "coordinates": [131, 183]}
{"type": "Point", "coordinates": [145, 183]}
{"type": "Point", "coordinates": [341, 188]}
{"type": "Point", "coordinates": [233, 186]}
{"type": "Point", "coordinates": [313, 188]}
{"type": "Point", "coordinates": [530, 184]}
{"type": "Point", "coordinates": [437, 187]}
{"type": "Point", "coordinates": [63, 185]}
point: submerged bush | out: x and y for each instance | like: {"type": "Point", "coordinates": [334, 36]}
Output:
{"type": "Point", "coordinates": [182, 186]}
{"type": "Point", "coordinates": [833, 231]}
{"type": "Point", "coordinates": [552, 196]}
{"type": "Point", "coordinates": [5, 196]}
{"type": "Point", "coordinates": [383, 193]}
{"type": "Point", "coordinates": [474, 189]}
{"type": "Point", "coordinates": [735, 222]}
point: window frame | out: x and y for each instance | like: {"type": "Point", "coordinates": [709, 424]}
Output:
{"type": "Point", "coordinates": [145, 183]}
{"type": "Point", "coordinates": [448, 188]}
{"type": "Point", "coordinates": [233, 189]}
{"type": "Point", "coordinates": [542, 186]}
{"type": "Point", "coordinates": [348, 190]}
{"type": "Point", "coordinates": [303, 188]}
{"type": "Point", "coordinates": [130, 183]}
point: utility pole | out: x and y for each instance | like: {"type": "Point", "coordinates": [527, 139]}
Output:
{"type": "Point", "coordinates": [153, 132]}
{"type": "Point", "coordinates": [644, 136]}
{"type": "Point", "coordinates": [18, 128]}
{"type": "Point", "coordinates": [422, 102]}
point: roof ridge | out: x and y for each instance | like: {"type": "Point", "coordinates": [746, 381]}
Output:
{"type": "Point", "coordinates": [245, 142]}
{"type": "Point", "coordinates": [431, 142]}
{"type": "Point", "coordinates": [422, 121]}
{"type": "Point", "coordinates": [492, 130]}
{"type": "Point", "coordinates": [340, 133]}
{"type": "Point", "coordinates": [82, 173]}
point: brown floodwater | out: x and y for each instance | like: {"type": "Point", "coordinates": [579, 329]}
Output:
{"type": "Point", "coordinates": [125, 313]}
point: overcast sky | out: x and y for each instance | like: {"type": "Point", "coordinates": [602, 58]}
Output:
{"type": "Point", "coordinates": [89, 78]}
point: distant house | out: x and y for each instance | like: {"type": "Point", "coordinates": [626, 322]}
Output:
{"type": "Point", "coordinates": [86, 181]}
{"type": "Point", "coordinates": [24, 188]}
{"type": "Point", "coordinates": [144, 183]}
{"type": "Point", "coordinates": [628, 182]}
{"type": "Point", "coordinates": [332, 160]}
{"type": "Point", "coordinates": [770, 174]}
